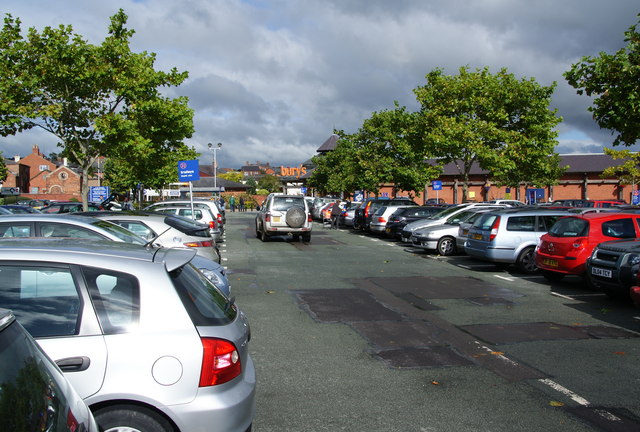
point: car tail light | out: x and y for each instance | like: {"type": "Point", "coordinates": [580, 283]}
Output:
{"type": "Point", "coordinates": [220, 362]}
{"type": "Point", "coordinates": [366, 211]}
{"type": "Point", "coordinates": [309, 218]}
{"type": "Point", "coordinates": [212, 225]}
{"type": "Point", "coordinates": [199, 244]}
{"type": "Point", "coordinates": [72, 423]}
{"type": "Point", "coordinates": [382, 220]}
{"type": "Point", "coordinates": [579, 243]}
{"type": "Point", "coordinates": [219, 219]}
{"type": "Point", "coordinates": [267, 217]}
{"type": "Point", "coordinates": [494, 228]}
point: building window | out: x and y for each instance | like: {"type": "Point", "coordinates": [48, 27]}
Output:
{"type": "Point", "coordinates": [43, 167]}
{"type": "Point", "coordinates": [63, 175]}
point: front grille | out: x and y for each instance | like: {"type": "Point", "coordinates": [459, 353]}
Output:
{"type": "Point", "coordinates": [607, 256]}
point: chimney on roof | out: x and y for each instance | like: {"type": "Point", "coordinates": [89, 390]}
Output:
{"type": "Point", "coordinates": [16, 158]}
{"type": "Point", "coordinates": [65, 161]}
{"type": "Point", "coordinates": [35, 149]}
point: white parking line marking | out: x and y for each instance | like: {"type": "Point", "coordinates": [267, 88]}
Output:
{"type": "Point", "coordinates": [553, 293]}
{"type": "Point", "coordinates": [464, 266]}
{"type": "Point", "coordinates": [504, 278]}
{"type": "Point", "coordinates": [565, 391]}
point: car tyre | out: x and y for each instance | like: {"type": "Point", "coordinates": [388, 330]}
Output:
{"type": "Point", "coordinates": [527, 261]}
{"type": "Point", "coordinates": [446, 246]}
{"type": "Point", "coordinates": [263, 235]}
{"type": "Point", "coordinates": [257, 231]}
{"type": "Point", "coordinates": [295, 217]}
{"type": "Point", "coordinates": [306, 237]}
{"type": "Point", "coordinates": [552, 276]}
{"type": "Point", "coordinates": [131, 418]}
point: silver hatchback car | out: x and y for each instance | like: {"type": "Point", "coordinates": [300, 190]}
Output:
{"type": "Point", "coordinates": [147, 341]}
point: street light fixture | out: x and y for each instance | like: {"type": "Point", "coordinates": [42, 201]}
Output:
{"type": "Point", "coordinates": [215, 165]}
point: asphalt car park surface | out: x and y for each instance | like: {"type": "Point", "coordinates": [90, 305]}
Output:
{"type": "Point", "coordinates": [354, 332]}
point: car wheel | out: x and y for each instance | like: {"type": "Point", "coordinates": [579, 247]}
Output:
{"type": "Point", "coordinates": [295, 217]}
{"type": "Point", "coordinates": [306, 237]}
{"type": "Point", "coordinates": [263, 235]}
{"type": "Point", "coordinates": [257, 231]}
{"type": "Point", "coordinates": [131, 419]}
{"type": "Point", "coordinates": [552, 276]}
{"type": "Point", "coordinates": [296, 237]}
{"type": "Point", "coordinates": [527, 261]}
{"type": "Point", "coordinates": [446, 246]}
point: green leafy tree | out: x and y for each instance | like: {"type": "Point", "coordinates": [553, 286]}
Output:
{"type": "Point", "coordinates": [234, 176]}
{"type": "Point", "coordinates": [154, 169]}
{"type": "Point", "coordinates": [497, 121]}
{"type": "Point", "coordinates": [270, 183]}
{"type": "Point", "coordinates": [629, 171]}
{"type": "Point", "coordinates": [253, 184]}
{"type": "Point", "coordinates": [613, 80]}
{"type": "Point", "coordinates": [97, 100]}
{"type": "Point", "coordinates": [4, 172]}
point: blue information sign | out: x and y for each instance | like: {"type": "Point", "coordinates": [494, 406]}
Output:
{"type": "Point", "coordinates": [188, 170]}
{"type": "Point", "coordinates": [635, 199]}
{"type": "Point", "coordinates": [99, 193]}
{"type": "Point", "coordinates": [436, 185]}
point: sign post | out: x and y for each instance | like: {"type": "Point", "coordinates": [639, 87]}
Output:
{"type": "Point", "coordinates": [436, 185]}
{"type": "Point", "coordinates": [187, 171]}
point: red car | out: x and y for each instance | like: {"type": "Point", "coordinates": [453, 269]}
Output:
{"type": "Point", "coordinates": [570, 241]}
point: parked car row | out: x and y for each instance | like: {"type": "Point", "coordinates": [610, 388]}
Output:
{"type": "Point", "coordinates": [600, 244]}
{"type": "Point", "coordinates": [135, 309]}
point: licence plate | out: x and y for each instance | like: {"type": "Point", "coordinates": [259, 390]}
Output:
{"type": "Point", "coordinates": [276, 218]}
{"type": "Point", "coordinates": [601, 272]}
{"type": "Point", "coordinates": [477, 236]}
{"type": "Point", "coordinates": [388, 230]}
{"type": "Point", "coordinates": [550, 262]}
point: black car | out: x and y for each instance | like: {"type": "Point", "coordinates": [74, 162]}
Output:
{"type": "Point", "coordinates": [363, 214]}
{"type": "Point", "coordinates": [68, 207]}
{"type": "Point", "coordinates": [403, 216]}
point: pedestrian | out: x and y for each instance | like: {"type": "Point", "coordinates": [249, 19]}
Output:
{"type": "Point", "coordinates": [221, 202]}
{"type": "Point", "coordinates": [336, 211]}
{"type": "Point", "coordinates": [232, 203]}
{"type": "Point", "coordinates": [126, 205]}
{"type": "Point", "coordinates": [241, 204]}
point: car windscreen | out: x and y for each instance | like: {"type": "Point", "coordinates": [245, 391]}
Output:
{"type": "Point", "coordinates": [122, 233]}
{"type": "Point", "coordinates": [205, 303]}
{"type": "Point", "coordinates": [285, 203]}
{"type": "Point", "coordinates": [570, 227]}
{"type": "Point", "coordinates": [444, 213]}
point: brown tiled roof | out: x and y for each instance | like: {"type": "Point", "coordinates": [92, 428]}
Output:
{"type": "Point", "coordinates": [575, 163]}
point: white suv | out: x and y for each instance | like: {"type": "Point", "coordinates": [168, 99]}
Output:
{"type": "Point", "coordinates": [283, 215]}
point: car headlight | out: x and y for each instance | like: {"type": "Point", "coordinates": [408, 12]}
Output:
{"type": "Point", "coordinates": [634, 259]}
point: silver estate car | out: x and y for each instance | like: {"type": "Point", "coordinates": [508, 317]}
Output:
{"type": "Point", "coordinates": [147, 341]}
{"type": "Point", "coordinates": [510, 236]}
{"type": "Point", "coordinates": [282, 214]}
{"type": "Point", "coordinates": [34, 394]}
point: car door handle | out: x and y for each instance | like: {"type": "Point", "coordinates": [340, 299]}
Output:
{"type": "Point", "coordinates": [73, 364]}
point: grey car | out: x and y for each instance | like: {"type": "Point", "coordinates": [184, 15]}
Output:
{"type": "Point", "coordinates": [147, 341]}
{"type": "Point", "coordinates": [34, 394]}
{"type": "Point", "coordinates": [169, 231]}
{"type": "Point", "coordinates": [510, 236]}
{"type": "Point", "coordinates": [201, 215]}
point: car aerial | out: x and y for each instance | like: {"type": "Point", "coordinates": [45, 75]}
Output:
{"type": "Point", "coordinates": [201, 215]}
{"type": "Point", "coordinates": [171, 231]}
{"type": "Point", "coordinates": [570, 241]}
{"type": "Point", "coordinates": [210, 204]}
{"type": "Point", "coordinates": [614, 268]}
{"type": "Point", "coordinates": [34, 394]}
{"type": "Point", "coordinates": [364, 213]}
{"type": "Point", "coordinates": [18, 209]}
{"type": "Point", "coordinates": [436, 219]}
{"type": "Point", "coordinates": [282, 214]}
{"type": "Point", "coordinates": [510, 236]}
{"type": "Point", "coordinates": [147, 341]}
{"type": "Point", "coordinates": [442, 237]}
{"type": "Point", "coordinates": [69, 207]}
{"type": "Point", "coordinates": [404, 215]}
{"type": "Point", "coordinates": [378, 223]}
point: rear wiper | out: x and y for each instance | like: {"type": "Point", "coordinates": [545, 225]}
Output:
{"type": "Point", "coordinates": [230, 303]}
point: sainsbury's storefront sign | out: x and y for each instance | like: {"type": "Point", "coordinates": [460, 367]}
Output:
{"type": "Point", "coordinates": [296, 172]}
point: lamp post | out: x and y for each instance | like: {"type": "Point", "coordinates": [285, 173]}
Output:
{"type": "Point", "coordinates": [215, 165]}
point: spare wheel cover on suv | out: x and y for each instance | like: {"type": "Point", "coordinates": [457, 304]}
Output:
{"type": "Point", "coordinates": [295, 217]}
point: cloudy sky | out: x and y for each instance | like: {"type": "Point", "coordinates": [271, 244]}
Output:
{"type": "Point", "coordinates": [272, 79]}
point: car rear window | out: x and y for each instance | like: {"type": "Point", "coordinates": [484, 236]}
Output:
{"type": "Point", "coordinates": [122, 233]}
{"type": "Point", "coordinates": [285, 203]}
{"type": "Point", "coordinates": [205, 303]}
{"type": "Point", "coordinates": [485, 222]}
{"type": "Point", "coordinates": [188, 226]}
{"type": "Point", "coordinates": [570, 227]}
